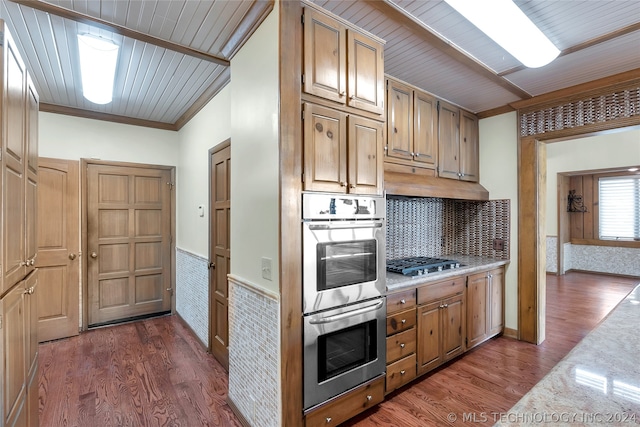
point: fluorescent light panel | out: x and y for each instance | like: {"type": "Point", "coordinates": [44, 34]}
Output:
{"type": "Point", "coordinates": [98, 59]}
{"type": "Point", "coordinates": [507, 25]}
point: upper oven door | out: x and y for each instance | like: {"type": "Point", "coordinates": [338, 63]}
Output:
{"type": "Point", "coordinates": [343, 262]}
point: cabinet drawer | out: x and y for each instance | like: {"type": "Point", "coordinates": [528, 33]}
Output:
{"type": "Point", "coordinates": [347, 405]}
{"type": "Point", "coordinates": [413, 169]}
{"type": "Point", "coordinates": [401, 372]}
{"type": "Point", "coordinates": [440, 290]}
{"type": "Point", "coordinates": [401, 321]}
{"type": "Point", "coordinates": [401, 345]}
{"type": "Point", "coordinates": [401, 301]}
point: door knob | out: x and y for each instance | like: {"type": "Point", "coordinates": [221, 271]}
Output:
{"type": "Point", "coordinates": [94, 255]}
{"type": "Point", "coordinates": [72, 256]}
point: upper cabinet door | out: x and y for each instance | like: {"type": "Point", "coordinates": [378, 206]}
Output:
{"type": "Point", "coordinates": [449, 141]}
{"type": "Point", "coordinates": [399, 120]}
{"type": "Point", "coordinates": [325, 56]}
{"type": "Point", "coordinates": [325, 149]}
{"type": "Point", "coordinates": [14, 159]}
{"type": "Point", "coordinates": [365, 156]}
{"type": "Point", "coordinates": [365, 58]}
{"type": "Point", "coordinates": [425, 137]}
{"type": "Point", "coordinates": [468, 147]}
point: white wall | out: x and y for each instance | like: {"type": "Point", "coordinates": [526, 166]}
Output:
{"type": "Point", "coordinates": [499, 175]}
{"type": "Point", "coordinates": [589, 153]}
{"type": "Point", "coordinates": [73, 138]}
{"type": "Point", "coordinates": [255, 156]}
{"type": "Point", "coordinates": [208, 128]}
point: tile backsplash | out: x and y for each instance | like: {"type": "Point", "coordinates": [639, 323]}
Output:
{"type": "Point", "coordinates": [435, 227]}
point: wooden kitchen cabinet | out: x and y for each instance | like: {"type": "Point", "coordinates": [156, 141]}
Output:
{"type": "Point", "coordinates": [18, 243]}
{"type": "Point", "coordinates": [458, 143]}
{"type": "Point", "coordinates": [411, 126]}
{"type": "Point", "coordinates": [441, 322]}
{"type": "Point", "coordinates": [342, 153]}
{"type": "Point", "coordinates": [341, 63]}
{"type": "Point", "coordinates": [485, 305]}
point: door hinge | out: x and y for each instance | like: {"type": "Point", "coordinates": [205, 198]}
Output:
{"type": "Point", "coordinates": [0, 322]}
{"type": "Point", "coordinates": [303, 177]}
{"type": "Point", "coordinates": [302, 18]}
{"type": "Point", "coordinates": [302, 79]}
{"type": "Point", "coordinates": [302, 114]}
{"type": "Point", "coordinates": [466, 342]}
{"type": "Point", "coordinates": [171, 185]}
{"type": "Point", "coordinates": [170, 239]}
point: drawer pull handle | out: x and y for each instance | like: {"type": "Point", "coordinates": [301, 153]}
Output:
{"type": "Point", "coordinates": [369, 397]}
{"type": "Point", "coordinates": [401, 345]}
{"type": "Point", "coordinates": [402, 372]}
{"type": "Point", "coordinates": [328, 420]}
{"type": "Point", "coordinates": [402, 301]}
{"type": "Point", "coordinates": [403, 321]}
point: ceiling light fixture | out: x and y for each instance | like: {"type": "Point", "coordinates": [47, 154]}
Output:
{"type": "Point", "coordinates": [98, 59]}
{"type": "Point", "coordinates": [508, 26]}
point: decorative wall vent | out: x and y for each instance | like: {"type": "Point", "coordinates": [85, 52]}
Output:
{"type": "Point", "coordinates": [595, 110]}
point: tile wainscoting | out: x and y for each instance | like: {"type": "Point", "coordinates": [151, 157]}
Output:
{"type": "Point", "coordinates": [597, 259]}
{"type": "Point", "coordinates": [192, 292]}
{"type": "Point", "coordinates": [254, 353]}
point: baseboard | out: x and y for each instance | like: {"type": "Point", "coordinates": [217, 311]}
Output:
{"type": "Point", "coordinates": [510, 333]}
{"type": "Point", "coordinates": [237, 413]}
{"type": "Point", "coordinates": [186, 325]}
{"type": "Point", "coordinates": [602, 273]}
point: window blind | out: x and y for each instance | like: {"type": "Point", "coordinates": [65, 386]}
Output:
{"type": "Point", "coordinates": [619, 208]}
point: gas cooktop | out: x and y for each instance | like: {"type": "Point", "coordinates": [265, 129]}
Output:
{"type": "Point", "coordinates": [418, 266]}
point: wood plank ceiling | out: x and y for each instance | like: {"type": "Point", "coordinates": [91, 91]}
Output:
{"type": "Point", "coordinates": [175, 53]}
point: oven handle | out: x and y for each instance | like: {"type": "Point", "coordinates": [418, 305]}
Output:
{"type": "Point", "coordinates": [335, 226]}
{"type": "Point", "coordinates": [330, 319]}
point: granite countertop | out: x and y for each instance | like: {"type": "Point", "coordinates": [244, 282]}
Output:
{"type": "Point", "coordinates": [597, 383]}
{"type": "Point", "coordinates": [470, 264]}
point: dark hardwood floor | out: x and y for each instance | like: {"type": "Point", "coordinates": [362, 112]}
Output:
{"type": "Point", "coordinates": [155, 372]}
{"type": "Point", "coordinates": [151, 372]}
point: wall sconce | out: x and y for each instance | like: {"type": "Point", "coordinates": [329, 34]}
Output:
{"type": "Point", "coordinates": [575, 203]}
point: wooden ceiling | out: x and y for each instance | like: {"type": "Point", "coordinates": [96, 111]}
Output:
{"type": "Point", "coordinates": [175, 53]}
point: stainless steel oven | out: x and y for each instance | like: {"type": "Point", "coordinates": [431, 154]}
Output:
{"type": "Point", "coordinates": [343, 250]}
{"type": "Point", "coordinates": [343, 348]}
{"type": "Point", "coordinates": [343, 293]}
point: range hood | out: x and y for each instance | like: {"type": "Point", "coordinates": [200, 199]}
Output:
{"type": "Point", "coordinates": [404, 184]}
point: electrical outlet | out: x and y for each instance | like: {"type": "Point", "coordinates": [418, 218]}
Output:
{"type": "Point", "coordinates": [498, 244]}
{"type": "Point", "coordinates": [266, 268]}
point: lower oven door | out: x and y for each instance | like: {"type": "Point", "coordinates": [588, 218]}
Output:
{"type": "Point", "coordinates": [343, 348]}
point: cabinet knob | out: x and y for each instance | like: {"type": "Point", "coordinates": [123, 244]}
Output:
{"type": "Point", "coordinates": [446, 305]}
{"type": "Point", "coordinates": [352, 186]}
{"type": "Point", "coordinates": [352, 97]}
{"type": "Point", "coordinates": [413, 154]}
{"type": "Point", "coordinates": [328, 420]}
{"type": "Point", "coordinates": [72, 256]}
{"type": "Point", "coordinates": [94, 255]}
{"type": "Point", "coordinates": [343, 184]}
{"type": "Point", "coordinates": [403, 321]}
{"type": "Point", "coordinates": [343, 93]}
{"type": "Point", "coordinates": [401, 345]}
{"type": "Point", "coordinates": [369, 397]}
{"type": "Point", "coordinates": [402, 301]}
{"type": "Point", "coordinates": [402, 372]}
{"type": "Point", "coordinates": [417, 154]}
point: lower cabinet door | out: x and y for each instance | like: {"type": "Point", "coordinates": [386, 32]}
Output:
{"type": "Point", "coordinates": [453, 324]}
{"type": "Point", "coordinates": [429, 337]}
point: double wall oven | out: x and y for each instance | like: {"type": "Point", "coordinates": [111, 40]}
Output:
{"type": "Point", "coordinates": [343, 293]}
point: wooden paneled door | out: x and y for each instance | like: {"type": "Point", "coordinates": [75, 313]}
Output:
{"type": "Point", "coordinates": [128, 241]}
{"type": "Point", "coordinates": [219, 251]}
{"type": "Point", "coordinates": [58, 249]}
